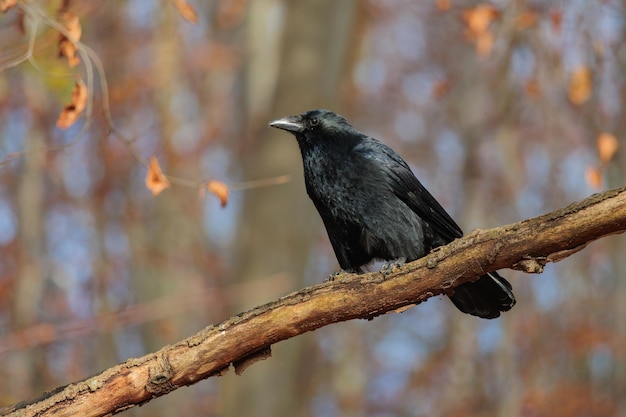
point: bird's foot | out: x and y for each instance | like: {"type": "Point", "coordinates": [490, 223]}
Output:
{"type": "Point", "coordinates": [335, 274]}
{"type": "Point", "coordinates": [390, 266]}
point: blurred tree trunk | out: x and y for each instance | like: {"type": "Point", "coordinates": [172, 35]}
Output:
{"type": "Point", "coordinates": [167, 238]}
{"type": "Point", "coordinates": [619, 249]}
{"type": "Point", "coordinates": [28, 375]}
{"type": "Point", "coordinates": [618, 261]}
{"type": "Point", "coordinates": [278, 223]}
{"type": "Point", "coordinates": [478, 212]}
{"type": "Point", "coordinates": [616, 176]}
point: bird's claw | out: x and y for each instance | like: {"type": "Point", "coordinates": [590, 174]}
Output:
{"type": "Point", "coordinates": [390, 266]}
{"type": "Point", "coordinates": [335, 274]}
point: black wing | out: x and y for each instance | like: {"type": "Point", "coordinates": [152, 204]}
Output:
{"type": "Point", "coordinates": [408, 188]}
{"type": "Point", "coordinates": [487, 296]}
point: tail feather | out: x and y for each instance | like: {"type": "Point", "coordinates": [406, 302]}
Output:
{"type": "Point", "coordinates": [484, 298]}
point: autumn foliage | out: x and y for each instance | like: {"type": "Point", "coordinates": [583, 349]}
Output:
{"type": "Point", "coordinates": [503, 109]}
{"type": "Point", "coordinates": [70, 113]}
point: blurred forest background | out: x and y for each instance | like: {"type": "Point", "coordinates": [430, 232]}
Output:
{"type": "Point", "coordinates": [505, 110]}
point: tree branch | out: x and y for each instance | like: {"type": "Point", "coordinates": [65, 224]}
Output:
{"type": "Point", "coordinates": [247, 337]}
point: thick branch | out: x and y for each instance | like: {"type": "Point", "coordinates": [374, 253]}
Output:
{"type": "Point", "coordinates": [527, 245]}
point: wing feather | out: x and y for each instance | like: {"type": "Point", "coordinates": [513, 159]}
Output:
{"type": "Point", "coordinates": [409, 189]}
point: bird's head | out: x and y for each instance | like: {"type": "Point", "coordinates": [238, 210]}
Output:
{"type": "Point", "coordinates": [316, 126]}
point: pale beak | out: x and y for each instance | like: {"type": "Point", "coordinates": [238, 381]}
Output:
{"type": "Point", "coordinates": [290, 124]}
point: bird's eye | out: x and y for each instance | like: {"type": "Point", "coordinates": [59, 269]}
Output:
{"type": "Point", "coordinates": [314, 122]}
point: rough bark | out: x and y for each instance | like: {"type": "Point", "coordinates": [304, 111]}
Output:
{"type": "Point", "coordinates": [247, 337]}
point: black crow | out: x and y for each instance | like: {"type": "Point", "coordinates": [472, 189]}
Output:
{"type": "Point", "coordinates": [374, 208]}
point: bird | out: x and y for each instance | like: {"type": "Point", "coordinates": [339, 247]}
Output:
{"type": "Point", "coordinates": [375, 209]}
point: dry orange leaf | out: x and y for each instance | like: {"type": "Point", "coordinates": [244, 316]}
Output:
{"type": "Point", "coordinates": [67, 44]}
{"type": "Point", "coordinates": [79, 96]}
{"type": "Point", "coordinates": [186, 10]}
{"type": "Point", "coordinates": [20, 23]}
{"type": "Point", "coordinates": [220, 190]}
{"type": "Point", "coordinates": [71, 112]}
{"type": "Point", "coordinates": [478, 20]}
{"type": "Point", "coordinates": [532, 88]}
{"type": "Point", "coordinates": [156, 181]}
{"type": "Point", "coordinates": [526, 20]}
{"type": "Point", "coordinates": [556, 17]}
{"type": "Point", "coordinates": [231, 13]}
{"type": "Point", "coordinates": [607, 146]}
{"type": "Point", "coordinates": [443, 5]}
{"type": "Point", "coordinates": [442, 87]}
{"type": "Point", "coordinates": [5, 5]}
{"type": "Point", "coordinates": [593, 176]}
{"type": "Point", "coordinates": [580, 87]}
